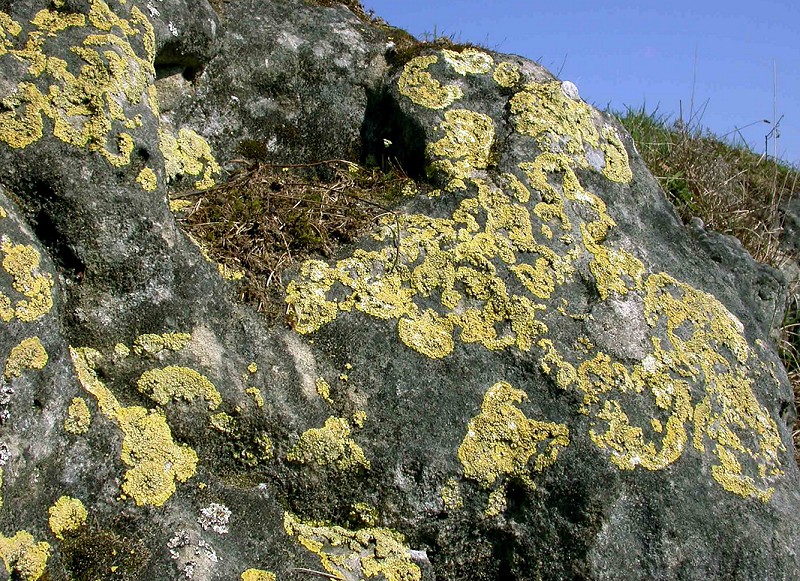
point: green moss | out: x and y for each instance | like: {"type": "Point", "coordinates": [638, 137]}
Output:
{"type": "Point", "coordinates": [175, 382]}
{"type": "Point", "coordinates": [23, 557]}
{"type": "Point", "coordinates": [78, 417]}
{"type": "Point", "coordinates": [155, 462]}
{"type": "Point", "coordinates": [67, 515]}
{"type": "Point", "coordinates": [29, 354]}
{"type": "Point", "coordinates": [367, 552]}
{"type": "Point", "coordinates": [330, 445]}
{"type": "Point", "coordinates": [90, 554]}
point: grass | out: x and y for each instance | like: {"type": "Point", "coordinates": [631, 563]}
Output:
{"type": "Point", "coordinates": [734, 191]}
{"type": "Point", "coordinates": [266, 217]}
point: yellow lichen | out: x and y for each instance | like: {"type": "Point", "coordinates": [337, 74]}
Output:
{"type": "Point", "coordinates": [257, 397]}
{"type": "Point", "coordinates": [367, 552]}
{"type": "Point", "coordinates": [86, 106]}
{"type": "Point", "coordinates": [153, 344]}
{"type": "Point", "coordinates": [190, 155]}
{"type": "Point", "coordinates": [469, 61]}
{"type": "Point", "coordinates": [498, 502]}
{"type": "Point", "coordinates": [78, 417]}
{"type": "Point", "coordinates": [258, 575]}
{"type": "Point", "coordinates": [147, 179]}
{"type": "Point", "coordinates": [330, 445]}
{"type": "Point", "coordinates": [324, 390]}
{"type": "Point", "coordinates": [229, 273]}
{"type": "Point", "coordinates": [617, 167]}
{"type": "Point", "coordinates": [28, 354]}
{"type": "Point", "coordinates": [154, 460]}
{"type": "Point", "coordinates": [67, 515]}
{"type": "Point", "coordinates": [359, 417]}
{"type": "Point", "coordinates": [543, 111]}
{"type": "Point", "coordinates": [21, 261]}
{"type": "Point", "coordinates": [365, 513]}
{"type": "Point", "coordinates": [174, 382]}
{"type": "Point", "coordinates": [253, 367]}
{"type": "Point", "coordinates": [451, 495]}
{"type": "Point", "coordinates": [179, 205]}
{"type": "Point", "coordinates": [23, 557]}
{"type": "Point", "coordinates": [418, 84]}
{"type": "Point", "coordinates": [501, 441]}
{"type": "Point", "coordinates": [481, 274]}
{"type": "Point", "coordinates": [121, 350]}
{"type": "Point", "coordinates": [222, 422]}
{"type": "Point", "coordinates": [465, 146]}
{"type": "Point", "coordinates": [265, 447]}
{"type": "Point", "coordinates": [507, 75]}
{"type": "Point", "coordinates": [428, 334]}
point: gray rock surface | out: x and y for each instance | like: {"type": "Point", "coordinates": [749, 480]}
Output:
{"type": "Point", "coordinates": [531, 371]}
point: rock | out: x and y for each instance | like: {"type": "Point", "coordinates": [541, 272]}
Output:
{"type": "Point", "coordinates": [530, 369]}
{"type": "Point", "coordinates": [290, 78]}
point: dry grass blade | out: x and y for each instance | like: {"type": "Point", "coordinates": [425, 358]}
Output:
{"type": "Point", "coordinates": [268, 217]}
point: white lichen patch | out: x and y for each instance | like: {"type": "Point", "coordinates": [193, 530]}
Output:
{"type": "Point", "coordinates": [215, 517]}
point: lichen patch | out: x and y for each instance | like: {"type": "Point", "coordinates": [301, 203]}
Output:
{"type": "Point", "coordinates": [78, 417]}
{"type": "Point", "coordinates": [155, 462]}
{"type": "Point", "coordinates": [67, 515]}
{"type": "Point", "coordinates": [502, 442]}
{"type": "Point", "coordinates": [28, 354]}
{"type": "Point", "coordinates": [23, 557]}
{"type": "Point", "coordinates": [173, 382]}
{"type": "Point", "coordinates": [367, 552]}
{"type": "Point", "coordinates": [330, 445]}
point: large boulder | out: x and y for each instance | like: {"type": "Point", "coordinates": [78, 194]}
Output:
{"type": "Point", "coordinates": [529, 369]}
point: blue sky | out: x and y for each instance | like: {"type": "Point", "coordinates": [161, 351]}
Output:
{"type": "Point", "coordinates": [655, 53]}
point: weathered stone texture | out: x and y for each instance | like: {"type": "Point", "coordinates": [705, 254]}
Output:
{"type": "Point", "coordinates": [530, 370]}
